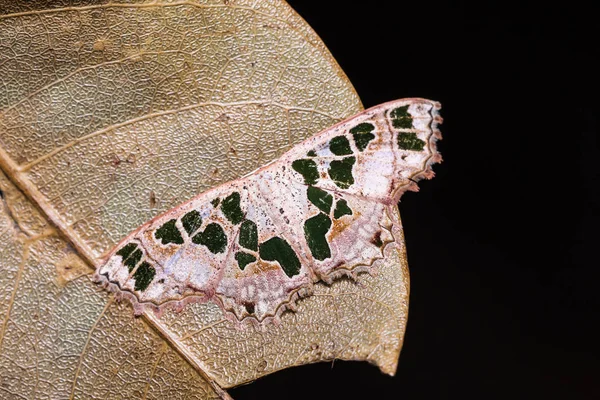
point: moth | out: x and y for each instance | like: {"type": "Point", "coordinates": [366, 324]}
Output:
{"type": "Point", "coordinates": [256, 244]}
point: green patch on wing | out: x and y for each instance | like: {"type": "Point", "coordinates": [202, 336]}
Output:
{"type": "Point", "coordinates": [215, 202]}
{"type": "Point", "coordinates": [143, 276]}
{"type": "Point", "coordinates": [191, 222]}
{"type": "Point", "coordinates": [213, 237]}
{"type": "Point", "coordinates": [131, 255]}
{"type": "Point", "coordinates": [277, 249]}
{"type": "Point", "coordinates": [320, 198]}
{"type": "Point", "coordinates": [168, 233]}
{"type": "Point", "coordinates": [248, 235]}
{"type": "Point", "coordinates": [231, 208]}
{"type": "Point", "coordinates": [311, 153]}
{"type": "Point", "coordinates": [340, 146]}
{"type": "Point", "coordinates": [410, 141]}
{"type": "Point", "coordinates": [126, 250]}
{"type": "Point", "coordinates": [362, 135]}
{"type": "Point", "coordinates": [341, 209]}
{"type": "Point", "coordinates": [315, 229]}
{"type": "Point", "coordinates": [244, 259]}
{"type": "Point", "coordinates": [340, 172]}
{"type": "Point", "coordinates": [308, 170]}
{"type": "Point", "coordinates": [364, 127]}
{"type": "Point", "coordinates": [401, 119]}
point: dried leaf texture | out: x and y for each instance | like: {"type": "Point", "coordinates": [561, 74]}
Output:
{"type": "Point", "coordinates": [113, 112]}
{"type": "Point", "coordinates": [61, 340]}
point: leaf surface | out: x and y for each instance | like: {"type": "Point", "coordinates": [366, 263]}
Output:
{"type": "Point", "coordinates": [112, 113]}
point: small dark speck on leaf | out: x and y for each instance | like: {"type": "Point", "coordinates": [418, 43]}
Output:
{"type": "Point", "coordinates": [261, 366]}
{"type": "Point", "coordinates": [222, 118]}
{"type": "Point", "coordinates": [115, 160]}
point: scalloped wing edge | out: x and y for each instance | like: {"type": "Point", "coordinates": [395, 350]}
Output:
{"type": "Point", "coordinates": [435, 158]}
{"type": "Point", "coordinates": [290, 304]}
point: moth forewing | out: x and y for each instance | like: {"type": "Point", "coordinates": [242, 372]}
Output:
{"type": "Point", "coordinates": [256, 244]}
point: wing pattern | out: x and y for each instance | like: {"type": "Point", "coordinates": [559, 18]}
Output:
{"type": "Point", "coordinates": [256, 244]}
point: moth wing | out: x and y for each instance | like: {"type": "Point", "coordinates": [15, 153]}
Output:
{"type": "Point", "coordinates": [254, 245]}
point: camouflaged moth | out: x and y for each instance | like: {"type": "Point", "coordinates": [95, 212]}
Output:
{"type": "Point", "coordinates": [254, 245]}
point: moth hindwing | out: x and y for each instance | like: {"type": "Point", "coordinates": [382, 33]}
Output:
{"type": "Point", "coordinates": [254, 245]}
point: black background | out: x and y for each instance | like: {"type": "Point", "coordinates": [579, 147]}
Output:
{"type": "Point", "coordinates": [502, 243]}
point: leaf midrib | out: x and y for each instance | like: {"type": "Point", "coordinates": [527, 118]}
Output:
{"type": "Point", "coordinates": [30, 191]}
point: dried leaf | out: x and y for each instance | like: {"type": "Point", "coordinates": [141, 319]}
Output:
{"type": "Point", "coordinates": [111, 113]}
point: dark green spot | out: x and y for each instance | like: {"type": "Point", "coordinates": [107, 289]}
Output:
{"type": "Point", "coordinates": [244, 259]}
{"type": "Point", "coordinates": [315, 229]}
{"type": "Point", "coordinates": [191, 222]}
{"type": "Point", "coordinates": [320, 198]}
{"type": "Point", "coordinates": [362, 135]}
{"type": "Point", "coordinates": [215, 202]}
{"type": "Point", "coordinates": [213, 237]}
{"type": "Point", "coordinates": [231, 208]}
{"type": "Point", "coordinates": [308, 169]}
{"type": "Point", "coordinates": [410, 141]}
{"type": "Point", "coordinates": [311, 153]}
{"type": "Point", "coordinates": [248, 235]}
{"type": "Point", "coordinates": [341, 172]}
{"type": "Point", "coordinates": [143, 276]}
{"type": "Point", "coordinates": [277, 249]}
{"type": "Point", "coordinates": [401, 119]}
{"type": "Point", "coordinates": [126, 250]}
{"type": "Point", "coordinates": [341, 209]}
{"type": "Point", "coordinates": [340, 146]}
{"type": "Point", "coordinates": [168, 233]}
{"type": "Point", "coordinates": [132, 260]}
{"type": "Point", "coordinates": [131, 255]}
{"type": "Point", "coordinates": [365, 127]}
{"type": "Point", "coordinates": [362, 140]}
